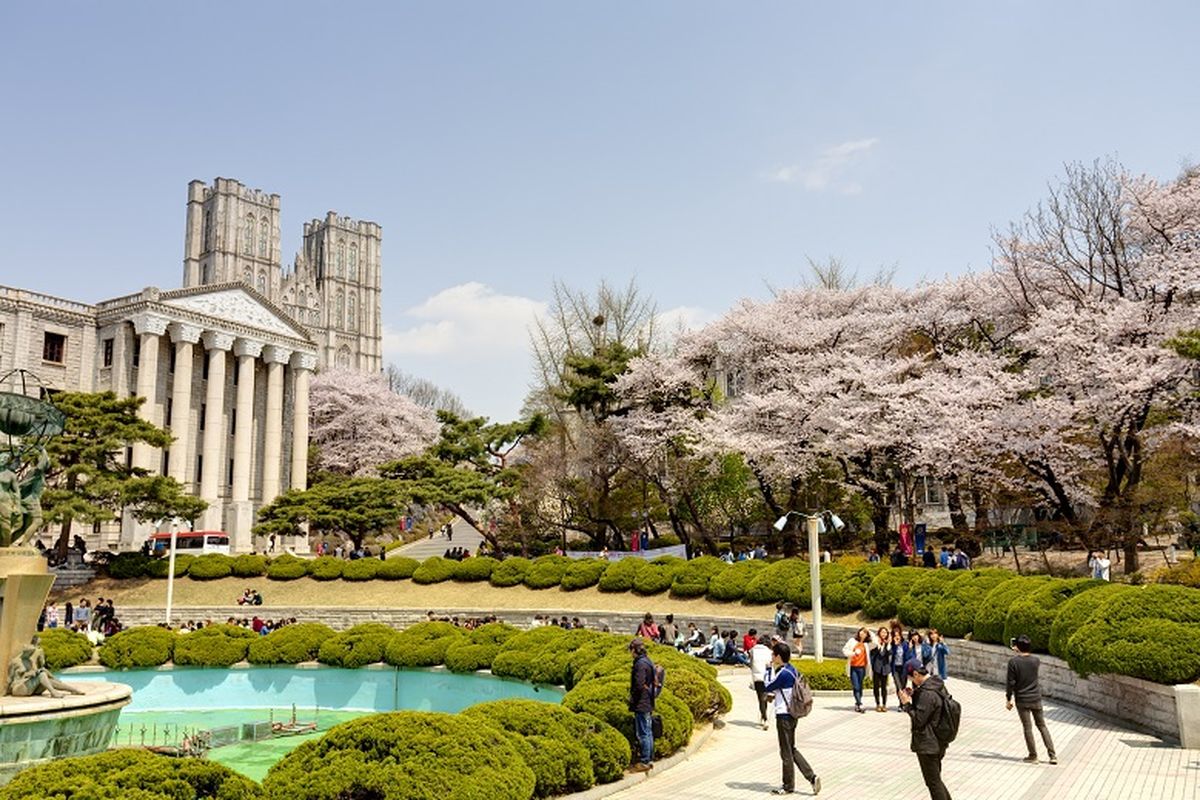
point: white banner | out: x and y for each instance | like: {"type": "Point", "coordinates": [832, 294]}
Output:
{"type": "Point", "coordinates": [679, 550]}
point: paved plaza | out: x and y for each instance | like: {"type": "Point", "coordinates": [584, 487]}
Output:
{"type": "Point", "coordinates": [866, 756]}
{"type": "Point", "coordinates": [423, 548]}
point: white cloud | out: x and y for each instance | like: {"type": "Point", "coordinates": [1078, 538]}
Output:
{"type": "Point", "coordinates": [828, 170]}
{"type": "Point", "coordinates": [472, 340]}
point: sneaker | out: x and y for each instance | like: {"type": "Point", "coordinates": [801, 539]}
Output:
{"type": "Point", "coordinates": [816, 784]}
{"type": "Point", "coordinates": [860, 709]}
{"type": "Point", "coordinates": [1030, 759]}
{"type": "Point", "coordinates": [781, 790]}
{"type": "Point", "coordinates": [640, 767]}
{"type": "Point", "coordinates": [881, 709]}
{"type": "Point", "coordinates": [1053, 759]}
{"type": "Point", "coordinates": [764, 725]}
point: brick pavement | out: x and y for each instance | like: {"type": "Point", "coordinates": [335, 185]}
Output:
{"type": "Point", "coordinates": [866, 756]}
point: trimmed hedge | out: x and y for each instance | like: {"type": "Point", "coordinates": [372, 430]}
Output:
{"type": "Point", "coordinates": [213, 646]}
{"type": "Point", "coordinates": [546, 571]}
{"type": "Point", "coordinates": [510, 571]}
{"type": "Point", "coordinates": [434, 569]}
{"type": "Point", "coordinates": [130, 565]}
{"type": "Point", "coordinates": [846, 595]}
{"type": "Point", "coordinates": [128, 774]}
{"type": "Point", "coordinates": [363, 644]}
{"type": "Point", "coordinates": [771, 585]}
{"type": "Point", "coordinates": [210, 567]}
{"type": "Point", "coordinates": [476, 650]}
{"type": "Point", "coordinates": [993, 609]}
{"type": "Point", "coordinates": [916, 607]}
{"type": "Point", "coordinates": [249, 565]}
{"type": "Point", "coordinates": [361, 569]}
{"type": "Point", "coordinates": [397, 568]}
{"type": "Point", "coordinates": [607, 699]}
{"type": "Point", "coordinates": [1185, 574]}
{"type": "Point", "coordinates": [64, 648]}
{"type": "Point", "coordinates": [476, 568]}
{"type": "Point", "coordinates": [422, 645]}
{"type": "Point", "coordinates": [405, 754]}
{"type": "Point", "coordinates": [829, 675]}
{"type": "Point", "coordinates": [619, 575]}
{"type": "Point", "coordinates": [656, 576]}
{"type": "Point", "coordinates": [287, 568]}
{"type": "Point", "coordinates": [290, 644]}
{"type": "Point", "coordinates": [954, 614]}
{"type": "Point", "coordinates": [1150, 632]}
{"type": "Point", "coordinates": [540, 655]}
{"type": "Point", "coordinates": [1033, 614]}
{"type": "Point", "coordinates": [692, 579]}
{"type": "Point", "coordinates": [1075, 612]}
{"type": "Point", "coordinates": [730, 583]}
{"type": "Point", "coordinates": [582, 573]}
{"type": "Point", "coordinates": [138, 647]}
{"type": "Point", "coordinates": [326, 568]}
{"type": "Point", "coordinates": [882, 599]}
{"type": "Point", "coordinates": [157, 567]}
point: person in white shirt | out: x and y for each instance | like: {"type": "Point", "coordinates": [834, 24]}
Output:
{"type": "Point", "coordinates": [760, 661]}
{"type": "Point", "coordinates": [1100, 565]}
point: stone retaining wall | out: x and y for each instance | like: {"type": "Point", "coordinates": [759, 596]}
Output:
{"type": "Point", "coordinates": [1170, 712]}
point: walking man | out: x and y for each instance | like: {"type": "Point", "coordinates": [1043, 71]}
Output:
{"type": "Point", "coordinates": [761, 657]}
{"type": "Point", "coordinates": [924, 706]}
{"type": "Point", "coordinates": [1021, 686]}
{"type": "Point", "coordinates": [781, 679]}
{"type": "Point", "coordinates": [641, 703]}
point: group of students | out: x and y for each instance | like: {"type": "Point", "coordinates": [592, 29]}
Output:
{"type": "Point", "coordinates": [94, 621]}
{"type": "Point", "coordinates": [888, 654]}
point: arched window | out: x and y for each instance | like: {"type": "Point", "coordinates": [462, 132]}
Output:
{"type": "Point", "coordinates": [339, 318]}
{"type": "Point", "coordinates": [262, 283]}
{"type": "Point", "coordinates": [206, 245]}
{"type": "Point", "coordinates": [263, 236]}
{"type": "Point", "coordinates": [353, 313]}
{"type": "Point", "coordinates": [343, 356]}
{"type": "Point", "coordinates": [353, 261]}
{"type": "Point", "coordinates": [301, 300]}
{"type": "Point", "coordinates": [248, 276]}
{"type": "Point", "coordinates": [339, 258]}
{"type": "Point", "coordinates": [248, 244]}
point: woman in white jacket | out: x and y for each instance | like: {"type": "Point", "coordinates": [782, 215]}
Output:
{"type": "Point", "coordinates": [760, 662]}
{"type": "Point", "coordinates": [856, 652]}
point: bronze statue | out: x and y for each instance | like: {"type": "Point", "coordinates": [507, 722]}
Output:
{"type": "Point", "coordinates": [28, 676]}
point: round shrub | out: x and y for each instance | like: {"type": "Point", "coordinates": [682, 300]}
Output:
{"type": "Point", "coordinates": [619, 575]}
{"type": "Point", "coordinates": [883, 597]}
{"type": "Point", "coordinates": [608, 700]}
{"type": "Point", "coordinates": [287, 568]}
{"type": "Point", "coordinates": [1033, 614]}
{"type": "Point", "coordinates": [510, 571]}
{"type": "Point", "coordinates": [656, 576]}
{"type": "Point", "coordinates": [397, 568]}
{"type": "Point", "coordinates": [1150, 632]}
{"type": "Point", "coordinates": [704, 698]}
{"type": "Point", "coordinates": [954, 613]}
{"type": "Point", "coordinates": [582, 573]}
{"type": "Point", "coordinates": [138, 647]}
{"type": "Point", "coordinates": [1185, 574]}
{"type": "Point", "coordinates": [1075, 611]}
{"type": "Point", "coordinates": [405, 754]}
{"type": "Point", "coordinates": [129, 565]}
{"type": "Point", "coordinates": [326, 568]}
{"type": "Point", "coordinates": [691, 579]}
{"type": "Point", "coordinates": [611, 660]}
{"type": "Point", "coordinates": [210, 566]}
{"type": "Point", "coordinates": [249, 565]}
{"type": "Point", "coordinates": [129, 774]}
{"type": "Point", "coordinates": [846, 595]}
{"type": "Point", "coordinates": [546, 571]}
{"type": "Point", "coordinates": [730, 583]}
{"type": "Point", "coordinates": [993, 610]}
{"type": "Point", "coordinates": [157, 567]}
{"type": "Point", "coordinates": [361, 569]}
{"type": "Point", "coordinates": [829, 675]}
{"type": "Point", "coordinates": [476, 650]}
{"type": "Point", "coordinates": [290, 644]}
{"type": "Point", "coordinates": [915, 607]}
{"type": "Point", "coordinates": [541, 655]}
{"type": "Point", "coordinates": [770, 585]}
{"type": "Point", "coordinates": [478, 568]}
{"type": "Point", "coordinates": [64, 648]}
{"type": "Point", "coordinates": [363, 644]}
{"type": "Point", "coordinates": [434, 570]}
{"type": "Point", "coordinates": [214, 646]}
{"type": "Point", "coordinates": [422, 645]}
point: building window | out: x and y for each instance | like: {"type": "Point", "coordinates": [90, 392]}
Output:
{"type": "Point", "coordinates": [353, 261]}
{"type": "Point", "coordinates": [137, 355]}
{"type": "Point", "coordinates": [229, 475]}
{"type": "Point", "coordinates": [206, 242]}
{"type": "Point", "coordinates": [301, 299]}
{"type": "Point", "coordinates": [248, 244]}
{"type": "Point", "coordinates": [262, 283]}
{"type": "Point", "coordinates": [203, 415]}
{"type": "Point", "coordinates": [248, 276]}
{"type": "Point", "coordinates": [343, 356]}
{"type": "Point", "coordinates": [199, 466]}
{"type": "Point", "coordinates": [108, 352]}
{"type": "Point", "coordinates": [171, 361]}
{"type": "Point", "coordinates": [353, 313]}
{"type": "Point", "coordinates": [54, 348]}
{"type": "Point", "coordinates": [262, 237]}
{"type": "Point", "coordinates": [339, 311]}
{"type": "Point", "coordinates": [166, 463]}
{"type": "Point", "coordinates": [232, 421]}
{"type": "Point", "coordinates": [167, 416]}
{"type": "Point", "coordinates": [339, 258]}
{"type": "Point", "coordinates": [205, 274]}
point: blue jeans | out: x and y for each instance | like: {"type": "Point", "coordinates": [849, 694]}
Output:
{"type": "Point", "coordinates": [857, 674]}
{"type": "Point", "coordinates": [644, 734]}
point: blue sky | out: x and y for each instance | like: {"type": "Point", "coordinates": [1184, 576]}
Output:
{"type": "Point", "coordinates": [705, 149]}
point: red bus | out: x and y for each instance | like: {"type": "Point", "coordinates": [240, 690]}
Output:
{"type": "Point", "coordinates": [194, 542]}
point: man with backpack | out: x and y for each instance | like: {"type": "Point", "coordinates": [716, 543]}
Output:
{"type": "Point", "coordinates": [644, 685]}
{"type": "Point", "coordinates": [934, 717]}
{"type": "Point", "coordinates": [793, 700]}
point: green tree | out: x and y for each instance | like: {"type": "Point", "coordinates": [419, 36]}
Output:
{"type": "Point", "coordinates": [89, 478]}
{"type": "Point", "coordinates": [355, 507]}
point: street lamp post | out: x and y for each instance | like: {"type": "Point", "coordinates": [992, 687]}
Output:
{"type": "Point", "coordinates": [815, 526]}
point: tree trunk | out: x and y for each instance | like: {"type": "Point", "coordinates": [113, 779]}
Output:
{"type": "Point", "coordinates": [958, 517]}
{"type": "Point", "coordinates": [982, 511]}
{"type": "Point", "coordinates": [1131, 555]}
{"type": "Point", "coordinates": [880, 517]}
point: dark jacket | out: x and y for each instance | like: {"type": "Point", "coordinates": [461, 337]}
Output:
{"type": "Point", "coordinates": [641, 684]}
{"type": "Point", "coordinates": [923, 713]}
{"type": "Point", "coordinates": [881, 659]}
{"type": "Point", "coordinates": [1021, 683]}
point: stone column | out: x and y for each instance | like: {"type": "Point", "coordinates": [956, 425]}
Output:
{"type": "Point", "coordinates": [302, 365]}
{"type": "Point", "coordinates": [150, 329]}
{"type": "Point", "coordinates": [185, 337]}
{"type": "Point", "coordinates": [275, 357]}
{"type": "Point", "coordinates": [240, 538]}
{"type": "Point", "coordinates": [217, 345]}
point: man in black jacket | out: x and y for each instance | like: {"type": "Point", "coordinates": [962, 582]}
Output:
{"type": "Point", "coordinates": [924, 707]}
{"type": "Point", "coordinates": [641, 703]}
{"type": "Point", "coordinates": [1021, 685]}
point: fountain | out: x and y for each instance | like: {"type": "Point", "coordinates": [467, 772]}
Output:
{"type": "Point", "coordinates": [41, 718]}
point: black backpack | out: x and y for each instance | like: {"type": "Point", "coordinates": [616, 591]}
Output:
{"type": "Point", "coordinates": [946, 727]}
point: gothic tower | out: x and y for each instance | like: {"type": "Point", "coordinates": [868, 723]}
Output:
{"type": "Point", "coordinates": [232, 235]}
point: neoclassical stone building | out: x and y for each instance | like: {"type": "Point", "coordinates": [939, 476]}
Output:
{"type": "Point", "coordinates": [223, 363]}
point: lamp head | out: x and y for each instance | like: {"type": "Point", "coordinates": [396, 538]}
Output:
{"type": "Point", "coordinates": [836, 521]}
{"type": "Point", "coordinates": [781, 522]}
{"type": "Point", "coordinates": [820, 527]}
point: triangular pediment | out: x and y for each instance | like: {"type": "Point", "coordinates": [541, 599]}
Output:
{"type": "Point", "coordinates": [235, 302]}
